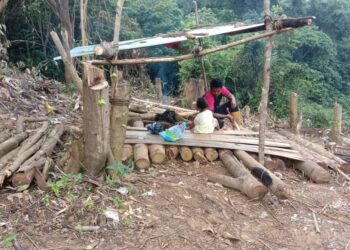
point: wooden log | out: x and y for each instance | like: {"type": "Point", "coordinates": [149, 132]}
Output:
{"type": "Point", "coordinates": [157, 153]}
{"type": "Point", "coordinates": [186, 153]}
{"type": "Point", "coordinates": [337, 123]}
{"type": "Point", "coordinates": [127, 152]}
{"type": "Point", "coordinates": [159, 89]}
{"type": "Point", "coordinates": [198, 155]}
{"type": "Point", "coordinates": [189, 111]}
{"type": "Point", "coordinates": [20, 124]}
{"type": "Point", "coordinates": [12, 143]}
{"type": "Point", "coordinates": [26, 178]}
{"type": "Point", "coordinates": [247, 183]}
{"type": "Point", "coordinates": [138, 124]}
{"type": "Point", "coordinates": [140, 109]}
{"type": "Point", "coordinates": [172, 152]}
{"type": "Point", "coordinates": [193, 90]}
{"type": "Point", "coordinates": [8, 157]}
{"type": "Point", "coordinates": [211, 154]}
{"type": "Point", "coordinates": [141, 152]}
{"type": "Point", "coordinates": [293, 113]}
{"type": "Point", "coordinates": [189, 56]}
{"type": "Point", "coordinates": [106, 50]}
{"type": "Point", "coordinates": [34, 138]}
{"type": "Point", "coordinates": [313, 171]}
{"type": "Point", "coordinates": [278, 187]}
{"type": "Point", "coordinates": [141, 156]}
{"type": "Point", "coordinates": [11, 169]}
{"type": "Point", "coordinates": [95, 119]}
{"type": "Point", "coordinates": [310, 145]}
{"type": "Point", "coordinates": [4, 135]}
{"type": "Point", "coordinates": [240, 184]}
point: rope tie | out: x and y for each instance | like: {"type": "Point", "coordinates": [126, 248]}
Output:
{"type": "Point", "coordinates": [119, 102]}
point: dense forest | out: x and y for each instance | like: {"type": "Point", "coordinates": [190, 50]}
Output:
{"type": "Point", "coordinates": [312, 61]}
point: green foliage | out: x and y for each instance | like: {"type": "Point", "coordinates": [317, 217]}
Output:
{"type": "Point", "coordinates": [7, 241]}
{"type": "Point", "coordinates": [66, 182]}
{"type": "Point", "coordinates": [121, 168]}
{"type": "Point", "coordinates": [117, 201]}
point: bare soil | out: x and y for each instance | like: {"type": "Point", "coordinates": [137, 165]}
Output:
{"type": "Point", "coordinates": [172, 206]}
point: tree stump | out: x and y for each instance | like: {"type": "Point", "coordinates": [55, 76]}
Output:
{"type": "Point", "coordinates": [95, 119]}
{"type": "Point", "coordinates": [141, 156]}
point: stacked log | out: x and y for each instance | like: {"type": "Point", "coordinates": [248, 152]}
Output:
{"type": "Point", "coordinates": [186, 153]}
{"type": "Point", "coordinates": [198, 155]}
{"type": "Point", "coordinates": [172, 152]}
{"type": "Point", "coordinates": [21, 159]}
{"type": "Point", "coordinates": [211, 154]}
{"type": "Point", "coordinates": [157, 153]}
{"type": "Point", "coordinates": [141, 152]}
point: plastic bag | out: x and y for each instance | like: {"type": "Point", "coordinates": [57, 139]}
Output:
{"type": "Point", "coordinates": [174, 133]}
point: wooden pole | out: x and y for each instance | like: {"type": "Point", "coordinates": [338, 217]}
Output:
{"type": "Point", "coordinates": [266, 84]}
{"type": "Point", "coordinates": [188, 56]}
{"type": "Point", "coordinates": [119, 100]}
{"type": "Point", "coordinates": [293, 113]}
{"type": "Point", "coordinates": [337, 121]}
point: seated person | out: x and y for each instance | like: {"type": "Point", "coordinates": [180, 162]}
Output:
{"type": "Point", "coordinates": [204, 122]}
{"type": "Point", "coordinates": [227, 110]}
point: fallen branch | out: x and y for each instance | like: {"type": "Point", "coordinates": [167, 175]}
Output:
{"type": "Point", "coordinates": [34, 138]}
{"type": "Point", "coordinates": [12, 143]}
{"type": "Point", "coordinates": [4, 135]}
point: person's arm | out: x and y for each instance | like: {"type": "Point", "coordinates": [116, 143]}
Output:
{"type": "Point", "coordinates": [229, 96]}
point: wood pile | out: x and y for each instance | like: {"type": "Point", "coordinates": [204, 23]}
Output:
{"type": "Point", "coordinates": [25, 156]}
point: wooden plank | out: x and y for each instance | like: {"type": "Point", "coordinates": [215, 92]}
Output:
{"type": "Point", "coordinates": [291, 154]}
{"type": "Point", "coordinates": [215, 138]}
{"type": "Point", "coordinates": [218, 132]}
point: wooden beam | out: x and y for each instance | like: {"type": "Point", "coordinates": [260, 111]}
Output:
{"type": "Point", "coordinates": [189, 56]}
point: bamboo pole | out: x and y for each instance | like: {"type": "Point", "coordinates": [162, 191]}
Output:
{"type": "Point", "coordinates": [266, 84]}
{"type": "Point", "coordinates": [189, 56]}
{"type": "Point", "coordinates": [293, 113]}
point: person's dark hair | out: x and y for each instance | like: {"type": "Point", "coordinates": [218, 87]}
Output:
{"type": "Point", "coordinates": [202, 104]}
{"type": "Point", "coordinates": [216, 83]}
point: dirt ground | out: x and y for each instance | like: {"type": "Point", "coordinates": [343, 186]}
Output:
{"type": "Point", "coordinates": [173, 206]}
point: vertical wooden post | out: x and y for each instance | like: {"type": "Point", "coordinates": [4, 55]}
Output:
{"type": "Point", "coordinates": [119, 100]}
{"type": "Point", "coordinates": [83, 26]}
{"type": "Point", "coordinates": [337, 121]}
{"type": "Point", "coordinates": [293, 113]}
{"type": "Point", "coordinates": [159, 89]}
{"type": "Point", "coordinates": [95, 119]}
{"type": "Point", "coordinates": [119, 118]}
{"type": "Point", "coordinates": [266, 84]}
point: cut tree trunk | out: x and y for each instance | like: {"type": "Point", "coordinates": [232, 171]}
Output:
{"type": "Point", "coordinates": [186, 153]}
{"type": "Point", "coordinates": [172, 152]}
{"type": "Point", "coordinates": [83, 25]}
{"type": "Point", "coordinates": [278, 187]}
{"type": "Point", "coordinates": [157, 153]}
{"type": "Point", "coordinates": [211, 154]}
{"type": "Point", "coordinates": [12, 143]}
{"type": "Point", "coordinates": [198, 155]}
{"type": "Point", "coordinates": [313, 171]}
{"type": "Point", "coordinates": [293, 113]}
{"type": "Point", "coordinates": [119, 118]}
{"type": "Point", "coordinates": [95, 120]}
{"type": "Point", "coordinates": [106, 50]}
{"type": "Point", "coordinates": [140, 109]}
{"type": "Point", "coordinates": [247, 184]}
{"type": "Point", "coordinates": [194, 89]}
